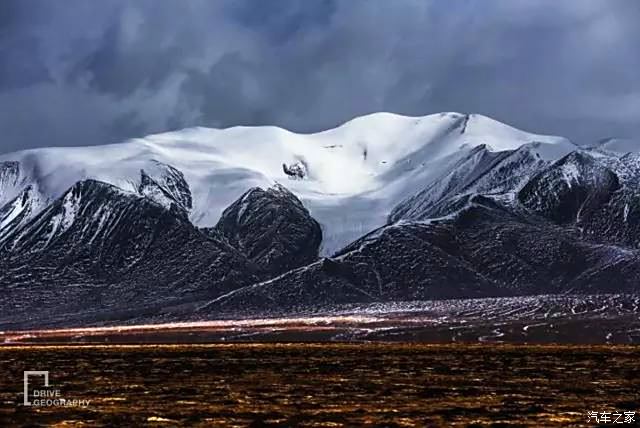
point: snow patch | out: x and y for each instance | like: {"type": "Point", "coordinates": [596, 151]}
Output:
{"type": "Point", "coordinates": [570, 173]}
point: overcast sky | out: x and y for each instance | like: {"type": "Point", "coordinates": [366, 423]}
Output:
{"type": "Point", "coordinates": [94, 72]}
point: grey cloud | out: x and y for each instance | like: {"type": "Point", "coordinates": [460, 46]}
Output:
{"type": "Point", "coordinates": [84, 73]}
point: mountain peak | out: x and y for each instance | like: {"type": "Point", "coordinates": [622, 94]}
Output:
{"type": "Point", "coordinates": [272, 229]}
{"type": "Point", "coordinates": [365, 166]}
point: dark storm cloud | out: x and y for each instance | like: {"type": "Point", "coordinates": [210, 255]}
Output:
{"type": "Point", "coordinates": [80, 73]}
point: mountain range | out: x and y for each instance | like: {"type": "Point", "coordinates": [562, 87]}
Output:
{"type": "Point", "coordinates": [207, 223]}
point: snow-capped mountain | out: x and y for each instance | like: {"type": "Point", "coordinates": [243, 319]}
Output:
{"type": "Point", "coordinates": [481, 171]}
{"type": "Point", "coordinates": [597, 194]}
{"type": "Point", "coordinates": [618, 145]}
{"type": "Point", "coordinates": [18, 211]}
{"type": "Point", "coordinates": [349, 177]}
{"type": "Point", "coordinates": [385, 208]}
{"type": "Point", "coordinates": [100, 249]}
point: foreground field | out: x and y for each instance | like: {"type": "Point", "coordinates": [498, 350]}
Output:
{"type": "Point", "coordinates": [323, 384]}
{"type": "Point", "coordinates": [569, 319]}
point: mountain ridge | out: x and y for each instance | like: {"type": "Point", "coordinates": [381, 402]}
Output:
{"type": "Point", "coordinates": [367, 164]}
{"type": "Point", "coordinates": [465, 208]}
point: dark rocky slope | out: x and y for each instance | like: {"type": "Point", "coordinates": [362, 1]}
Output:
{"type": "Point", "coordinates": [487, 250]}
{"type": "Point", "coordinates": [272, 228]}
{"type": "Point", "coordinates": [501, 224]}
{"type": "Point", "coordinates": [597, 194]}
{"type": "Point", "coordinates": [99, 249]}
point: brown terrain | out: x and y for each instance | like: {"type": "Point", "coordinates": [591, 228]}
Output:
{"type": "Point", "coordinates": [322, 385]}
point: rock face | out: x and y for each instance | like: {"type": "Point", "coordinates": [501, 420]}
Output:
{"type": "Point", "coordinates": [19, 211]}
{"type": "Point", "coordinates": [461, 178]}
{"type": "Point", "coordinates": [296, 171]}
{"type": "Point", "coordinates": [510, 224]}
{"type": "Point", "coordinates": [166, 186]}
{"type": "Point", "coordinates": [20, 200]}
{"type": "Point", "coordinates": [391, 264]}
{"type": "Point", "coordinates": [9, 177]}
{"type": "Point", "coordinates": [120, 252]}
{"type": "Point", "coordinates": [572, 185]}
{"type": "Point", "coordinates": [486, 250]}
{"type": "Point", "coordinates": [272, 229]}
{"type": "Point", "coordinates": [481, 172]}
{"type": "Point", "coordinates": [598, 195]}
